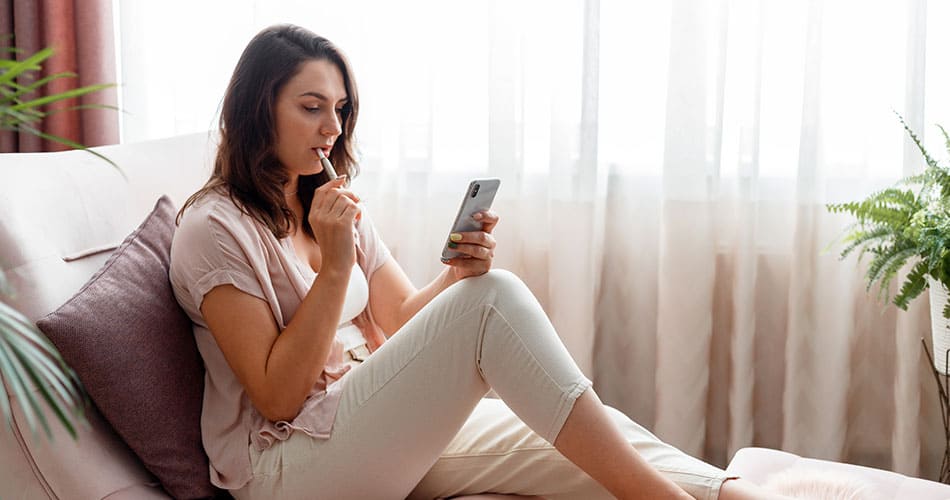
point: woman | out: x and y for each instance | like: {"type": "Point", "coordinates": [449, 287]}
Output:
{"type": "Point", "coordinates": [293, 295]}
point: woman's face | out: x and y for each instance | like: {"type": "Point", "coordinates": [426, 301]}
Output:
{"type": "Point", "coordinates": [309, 116]}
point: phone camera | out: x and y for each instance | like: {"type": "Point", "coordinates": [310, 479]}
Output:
{"type": "Point", "coordinates": [475, 190]}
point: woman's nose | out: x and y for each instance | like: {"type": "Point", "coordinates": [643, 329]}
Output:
{"type": "Point", "coordinates": [332, 126]}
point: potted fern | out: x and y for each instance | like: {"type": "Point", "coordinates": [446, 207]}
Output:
{"type": "Point", "coordinates": [908, 222]}
{"type": "Point", "coordinates": [27, 358]}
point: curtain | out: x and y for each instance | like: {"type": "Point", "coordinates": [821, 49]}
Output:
{"type": "Point", "coordinates": [81, 33]}
{"type": "Point", "coordinates": [665, 168]}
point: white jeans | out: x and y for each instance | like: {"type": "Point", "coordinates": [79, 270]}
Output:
{"type": "Point", "coordinates": [412, 421]}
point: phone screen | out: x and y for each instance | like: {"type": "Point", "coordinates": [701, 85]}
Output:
{"type": "Point", "coordinates": [478, 198]}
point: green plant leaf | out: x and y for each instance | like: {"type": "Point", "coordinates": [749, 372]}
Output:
{"type": "Point", "coordinates": [927, 158]}
{"type": "Point", "coordinates": [31, 63]}
{"type": "Point", "coordinates": [859, 237]}
{"type": "Point", "coordinates": [69, 94]}
{"type": "Point", "coordinates": [57, 371]}
{"type": "Point", "coordinates": [946, 138]}
{"type": "Point", "coordinates": [82, 106]}
{"type": "Point", "coordinates": [31, 365]}
{"type": "Point", "coordinates": [10, 383]}
{"type": "Point", "coordinates": [32, 87]}
{"type": "Point", "coordinates": [890, 267]}
{"type": "Point", "coordinates": [13, 373]}
{"type": "Point", "coordinates": [892, 207]}
{"type": "Point", "coordinates": [15, 120]}
{"type": "Point", "coordinates": [915, 283]}
{"type": "Point", "coordinates": [5, 288]}
{"type": "Point", "coordinates": [26, 352]}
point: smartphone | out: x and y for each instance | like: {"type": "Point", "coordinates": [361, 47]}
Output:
{"type": "Point", "coordinates": [478, 198]}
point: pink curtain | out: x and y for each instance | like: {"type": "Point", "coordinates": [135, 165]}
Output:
{"type": "Point", "coordinates": [80, 31]}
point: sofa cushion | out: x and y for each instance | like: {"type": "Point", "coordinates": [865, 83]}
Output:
{"type": "Point", "coordinates": [133, 349]}
{"type": "Point", "coordinates": [758, 465]}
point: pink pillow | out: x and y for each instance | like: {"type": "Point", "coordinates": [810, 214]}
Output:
{"type": "Point", "coordinates": [132, 346]}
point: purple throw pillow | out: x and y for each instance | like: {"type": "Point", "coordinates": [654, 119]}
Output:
{"type": "Point", "coordinates": [132, 346]}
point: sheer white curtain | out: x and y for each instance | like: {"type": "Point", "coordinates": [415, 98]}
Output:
{"type": "Point", "coordinates": [664, 171]}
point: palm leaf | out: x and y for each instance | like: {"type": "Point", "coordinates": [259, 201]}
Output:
{"type": "Point", "coordinates": [82, 106]}
{"type": "Point", "coordinates": [52, 380]}
{"type": "Point", "coordinates": [69, 94]}
{"type": "Point", "coordinates": [31, 63]}
{"type": "Point", "coordinates": [27, 360]}
{"type": "Point", "coordinates": [19, 89]}
{"type": "Point", "coordinates": [12, 370]}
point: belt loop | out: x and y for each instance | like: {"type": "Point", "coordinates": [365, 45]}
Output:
{"type": "Point", "coordinates": [359, 353]}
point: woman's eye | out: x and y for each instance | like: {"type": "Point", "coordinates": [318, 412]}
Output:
{"type": "Point", "coordinates": [311, 110]}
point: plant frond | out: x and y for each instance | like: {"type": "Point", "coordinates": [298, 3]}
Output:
{"type": "Point", "coordinates": [26, 89]}
{"type": "Point", "coordinates": [927, 158]}
{"type": "Point", "coordinates": [81, 107]}
{"type": "Point", "coordinates": [32, 63]}
{"type": "Point", "coordinates": [916, 179]}
{"type": "Point", "coordinates": [946, 138]}
{"type": "Point", "coordinates": [27, 360]}
{"type": "Point", "coordinates": [859, 237]}
{"type": "Point", "coordinates": [889, 268]}
{"type": "Point", "coordinates": [893, 207]}
{"type": "Point", "coordinates": [5, 288]}
{"type": "Point", "coordinates": [915, 283]}
{"type": "Point", "coordinates": [13, 374]}
{"type": "Point", "coordinates": [69, 94]}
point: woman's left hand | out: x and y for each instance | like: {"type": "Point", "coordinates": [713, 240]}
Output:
{"type": "Point", "coordinates": [477, 247]}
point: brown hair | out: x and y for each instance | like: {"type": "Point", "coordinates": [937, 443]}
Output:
{"type": "Point", "coordinates": [246, 166]}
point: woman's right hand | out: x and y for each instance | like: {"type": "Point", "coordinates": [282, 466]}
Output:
{"type": "Point", "coordinates": [333, 212]}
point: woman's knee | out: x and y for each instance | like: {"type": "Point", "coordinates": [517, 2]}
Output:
{"type": "Point", "coordinates": [497, 282]}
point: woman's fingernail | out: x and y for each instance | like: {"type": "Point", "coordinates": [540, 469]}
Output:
{"type": "Point", "coordinates": [455, 237]}
{"type": "Point", "coordinates": [452, 244]}
{"type": "Point", "coordinates": [478, 216]}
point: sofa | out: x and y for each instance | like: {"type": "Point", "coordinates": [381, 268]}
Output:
{"type": "Point", "coordinates": [66, 222]}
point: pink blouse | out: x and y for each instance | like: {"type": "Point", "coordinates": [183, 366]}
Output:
{"type": "Point", "coordinates": [216, 244]}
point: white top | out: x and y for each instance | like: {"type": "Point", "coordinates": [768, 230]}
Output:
{"type": "Point", "coordinates": [357, 296]}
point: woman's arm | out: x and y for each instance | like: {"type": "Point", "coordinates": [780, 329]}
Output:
{"type": "Point", "coordinates": [395, 300]}
{"type": "Point", "coordinates": [278, 368]}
